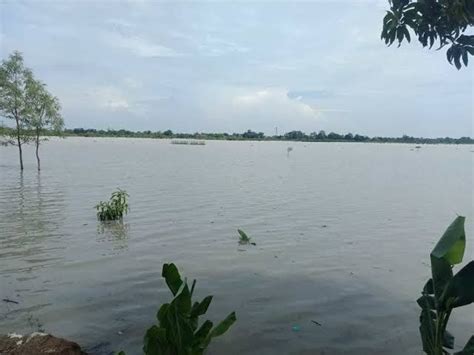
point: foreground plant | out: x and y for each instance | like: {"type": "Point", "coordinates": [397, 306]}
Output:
{"type": "Point", "coordinates": [178, 331]}
{"type": "Point", "coordinates": [445, 291]}
{"type": "Point", "coordinates": [115, 208]}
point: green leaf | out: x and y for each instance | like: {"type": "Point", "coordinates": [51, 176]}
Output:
{"type": "Point", "coordinates": [173, 279]}
{"type": "Point", "coordinates": [399, 35]}
{"type": "Point", "coordinates": [448, 251]}
{"type": "Point", "coordinates": [464, 57]}
{"type": "Point", "coordinates": [457, 60]}
{"type": "Point", "coordinates": [442, 273]}
{"type": "Point", "coordinates": [427, 302]}
{"type": "Point", "coordinates": [201, 308]}
{"type": "Point", "coordinates": [162, 314]}
{"type": "Point", "coordinates": [448, 340]}
{"type": "Point", "coordinates": [427, 330]}
{"type": "Point", "coordinates": [406, 33]}
{"type": "Point", "coordinates": [223, 326]}
{"type": "Point", "coordinates": [182, 300]}
{"type": "Point", "coordinates": [452, 244]}
{"type": "Point", "coordinates": [468, 348]}
{"type": "Point", "coordinates": [243, 235]}
{"type": "Point", "coordinates": [203, 331]}
{"type": "Point", "coordinates": [461, 287]}
{"type": "Point", "coordinates": [428, 288]}
{"type": "Point", "coordinates": [179, 332]}
{"type": "Point", "coordinates": [154, 342]}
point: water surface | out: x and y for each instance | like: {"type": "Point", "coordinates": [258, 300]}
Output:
{"type": "Point", "coordinates": [343, 234]}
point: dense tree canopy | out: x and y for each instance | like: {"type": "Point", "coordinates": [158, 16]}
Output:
{"type": "Point", "coordinates": [440, 22]}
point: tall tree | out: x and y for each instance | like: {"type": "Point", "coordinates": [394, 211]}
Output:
{"type": "Point", "coordinates": [443, 22]}
{"type": "Point", "coordinates": [13, 80]}
{"type": "Point", "coordinates": [43, 112]}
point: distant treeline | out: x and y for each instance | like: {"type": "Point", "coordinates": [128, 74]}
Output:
{"type": "Point", "coordinates": [320, 136]}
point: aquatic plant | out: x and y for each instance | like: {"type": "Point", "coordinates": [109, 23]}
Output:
{"type": "Point", "coordinates": [113, 209]}
{"type": "Point", "coordinates": [445, 291]}
{"type": "Point", "coordinates": [178, 331]}
{"type": "Point", "coordinates": [244, 238]}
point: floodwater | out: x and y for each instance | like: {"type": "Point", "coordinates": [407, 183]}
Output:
{"type": "Point", "coordinates": [343, 234]}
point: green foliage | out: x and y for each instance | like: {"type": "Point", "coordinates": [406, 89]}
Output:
{"type": "Point", "coordinates": [243, 237]}
{"type": "Point", "coordinates": [115, 208]}
{"type": "Point", "coordinates": [42, 107]}
{"type": "Point", "coordinates": [291, 136]}
{"type": "Point", "coordinates": [178, 331]}
{"type": "Point", "coordinates": [445, 291]}
{"type": "Point", "coordinates": [43, 112]}
{"type": "Point", "coordinates": [432, 21]}
{"type": "Point", "coordinates": [13, 99]}
{"type": "Point", "coordinates": [26, 101]}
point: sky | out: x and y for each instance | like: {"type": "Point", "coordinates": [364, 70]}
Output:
{"type": "Point", "coordinates": [222, 66]}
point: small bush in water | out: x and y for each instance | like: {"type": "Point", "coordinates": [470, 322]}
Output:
{"type": "Point", "coordinates": [178, 331]}
{"type": "Point", "coordinates": [113, 209]}
{"type": "Point", "coordinates": [445, 291]}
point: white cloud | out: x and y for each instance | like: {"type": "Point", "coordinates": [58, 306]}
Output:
{"type": "Point", "coordinates": [139, 46]}
{"type": "Point", "coordinates": [110, 98]}
{"type": "Point", "coordinates": [274, 102]}
{"type": "Point", "coordinates": [214, 46]}
{"type": "Point", "coordinates": [238, 109]}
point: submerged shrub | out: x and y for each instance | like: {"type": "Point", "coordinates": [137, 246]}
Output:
{"type": "Point", "coordinates": [178, 331]}
{"type": "Point", "coordinates": [115, 208]}
{"type": "Point", "coordinates": [445, 291]}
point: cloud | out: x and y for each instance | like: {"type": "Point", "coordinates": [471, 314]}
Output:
{"type": "Point", "coordinates": [214, 46]}
{"type": "Point", "coordinates": [110, 98]}
{"type": "Point", "coordinates": [139, 46]}
{"type": "Point", "coordinates": [274, 102]}
{"type": "Point", "coordinates": [238, 109]}
{"type": "Point", "coordinates": [309, 94]}
{"type": "Point", "coordinates": [232, 66]}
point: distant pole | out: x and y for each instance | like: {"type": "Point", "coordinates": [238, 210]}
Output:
{"type": "Point", "coordinates": [276, 131]}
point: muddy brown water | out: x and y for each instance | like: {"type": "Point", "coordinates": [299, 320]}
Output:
{"type": "Point", "coordinates": [343, 234]}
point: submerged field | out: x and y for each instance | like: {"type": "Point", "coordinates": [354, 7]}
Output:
{"type": "Point", "coordinates": [343, 233]}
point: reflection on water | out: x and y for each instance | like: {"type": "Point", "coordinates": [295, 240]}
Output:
{"type": "Point", "coordinates": [30, 215]}
{"type": "Point", "coordinates": [115, 232]}
{"type": "Point", "coordinates": [343, 234]}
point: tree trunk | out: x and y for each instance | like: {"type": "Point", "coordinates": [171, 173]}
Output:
{"type": "Point", "coordinates": [18, 138]}
{"type": "Point", "coordinates": [37, 148]}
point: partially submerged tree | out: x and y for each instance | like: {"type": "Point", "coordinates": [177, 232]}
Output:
{"type": "Point", "coordinates": [443, 22]}
{"type": "Point", "coordinates": [43, 112]}
{"type": "Point", "coordinates": [28, 103]}
{"type": "Point", "coordinates": [13, 80]}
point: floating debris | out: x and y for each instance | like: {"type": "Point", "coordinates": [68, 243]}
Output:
{"type": "Point", "coordinates": [7, 300]}
{"type": "Point", "coordinates": [188, 142]}
{"type": "Point", "coordinates": [296, 328]}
